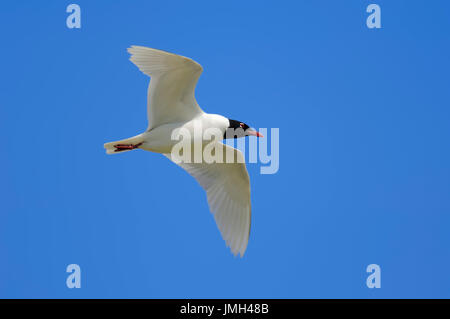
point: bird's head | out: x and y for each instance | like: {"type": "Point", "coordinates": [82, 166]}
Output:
{"type": "Point", "coordinates": [240, 129]}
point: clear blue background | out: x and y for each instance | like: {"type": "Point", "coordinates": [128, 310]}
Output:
{"type": "Point", "coordinates": [364, 150]}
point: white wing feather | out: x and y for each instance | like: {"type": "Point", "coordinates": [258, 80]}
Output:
{"type": "Point", "coordinates": [170, 96]}
{"type": "Point", "coordinates": [227, 187]}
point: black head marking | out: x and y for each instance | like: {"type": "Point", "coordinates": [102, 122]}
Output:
{"type": "Point", "coordinates": [236, 129]}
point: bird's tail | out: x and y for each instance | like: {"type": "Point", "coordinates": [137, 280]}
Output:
{"type": "Point", "coordinates": [125, 145]}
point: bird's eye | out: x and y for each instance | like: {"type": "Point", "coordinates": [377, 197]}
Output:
{"type": "Point", "coordinates": [242, 125]}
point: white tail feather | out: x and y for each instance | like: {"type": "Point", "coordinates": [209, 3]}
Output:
{"type": "Point", "coordinates": [111, 149]}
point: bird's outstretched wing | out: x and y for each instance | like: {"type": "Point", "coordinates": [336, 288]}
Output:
{"type": "Point", "coordinates": [170, 97]}
{"type": "Point", "coordinates": [227, 187]}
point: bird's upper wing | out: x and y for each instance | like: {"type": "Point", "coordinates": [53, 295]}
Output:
{"type": "Point", "coordinates": [227, 187]}
{"type": "Point", "coordinates": [170, 96]}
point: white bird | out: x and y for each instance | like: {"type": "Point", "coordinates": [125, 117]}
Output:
{"type": "Point", "coordinates": [171, 105]}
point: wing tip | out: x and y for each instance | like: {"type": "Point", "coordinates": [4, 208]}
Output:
{"type": "Point", "coordinates": [135, 50]}
{"type": "Point", "coordinates": [237, 250]}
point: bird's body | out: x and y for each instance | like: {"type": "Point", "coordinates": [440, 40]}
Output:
{"type": "Point", "coordinates": [159, 139]}
{"type": "Point", "coordinates": [172, 107]}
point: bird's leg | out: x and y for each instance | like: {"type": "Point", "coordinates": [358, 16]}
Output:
{"type": "Point", "coordinates": [125, 147]}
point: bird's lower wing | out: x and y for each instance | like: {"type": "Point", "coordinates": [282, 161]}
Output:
{"type": "Point", "coordinates": [227, 187]}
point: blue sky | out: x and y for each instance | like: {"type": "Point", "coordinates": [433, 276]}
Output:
{"type": "Point", "coordinates": [364, 159]}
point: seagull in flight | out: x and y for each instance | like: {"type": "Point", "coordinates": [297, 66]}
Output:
{"type": "Point", "coordinates": [171, 105]}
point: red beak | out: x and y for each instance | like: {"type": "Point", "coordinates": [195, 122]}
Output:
{"type": "Point", "coordinates": [254, 133]}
